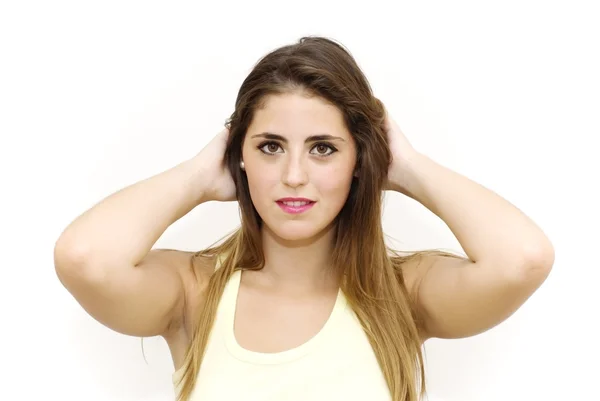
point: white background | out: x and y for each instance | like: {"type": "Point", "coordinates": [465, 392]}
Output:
{"type": "Point", "coordinates": [98, 95]}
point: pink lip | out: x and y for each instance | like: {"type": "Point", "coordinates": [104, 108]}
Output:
{"type": "Point", "coordinates": [295, 209]}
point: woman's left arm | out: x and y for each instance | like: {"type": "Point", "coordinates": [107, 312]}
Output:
{"type": "Point", "coordinates": [509, 256]}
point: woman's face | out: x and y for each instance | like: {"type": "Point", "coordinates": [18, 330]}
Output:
{"type": "Point", "coordinates": [299, 159]}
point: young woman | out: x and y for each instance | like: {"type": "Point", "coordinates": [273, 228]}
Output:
{"type": "Point", "coordinates": [305, 301]}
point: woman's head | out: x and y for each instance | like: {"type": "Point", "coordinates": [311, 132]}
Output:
{"type": "Point", "coordinates": [299, 160]}
{"type": "Point", "coordinates": [306, 125]}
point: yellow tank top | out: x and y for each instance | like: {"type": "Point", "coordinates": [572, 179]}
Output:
{"type": "Point", "coordinates": [338, 363]}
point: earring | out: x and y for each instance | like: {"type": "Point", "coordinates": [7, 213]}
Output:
{"type": "Point", "coordinates": [242, 166]}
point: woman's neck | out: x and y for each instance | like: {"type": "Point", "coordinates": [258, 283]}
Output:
{"type": "Point", "coordinates": [299, 266]}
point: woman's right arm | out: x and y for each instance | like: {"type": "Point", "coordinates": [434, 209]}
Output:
{"type": "Point", "coordinates": [104, 257]}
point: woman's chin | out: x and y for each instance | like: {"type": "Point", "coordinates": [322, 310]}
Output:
{"type": "Point", "coordinates": [298, 232]}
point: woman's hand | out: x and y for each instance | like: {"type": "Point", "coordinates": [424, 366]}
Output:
{"type": "Point", "coordinates": [219, 183]}
{"type": "Point", "coordinates": [402, 156]}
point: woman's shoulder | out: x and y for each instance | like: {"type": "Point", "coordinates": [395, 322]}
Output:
{"type": "Point", "coordinates": [194, 268]}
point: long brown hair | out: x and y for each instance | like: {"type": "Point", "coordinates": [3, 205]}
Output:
{"type": "Point", "coordinates": [372, 272]}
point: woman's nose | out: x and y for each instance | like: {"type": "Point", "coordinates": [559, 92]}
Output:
{"type": "Point", "coordinates": [295, 173]}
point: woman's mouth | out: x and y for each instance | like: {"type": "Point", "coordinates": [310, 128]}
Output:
{"type": "Point", "coordinates": [295, 205]}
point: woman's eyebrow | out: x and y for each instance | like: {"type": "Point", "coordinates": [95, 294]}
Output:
{"type": "Point", "coordinates": [312, 138]}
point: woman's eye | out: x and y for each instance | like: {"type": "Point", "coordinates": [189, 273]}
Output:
{"type": "Point", "coordinates": [323, 149]}
{"type": "Point", "coordinates": [270, 147]}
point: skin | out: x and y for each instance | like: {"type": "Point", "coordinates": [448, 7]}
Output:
{"type": "Point", "coordinates": [295, 165]}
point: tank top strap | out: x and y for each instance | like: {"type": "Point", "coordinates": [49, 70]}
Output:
{"type": "Point", "coordinates": [228, 301]}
